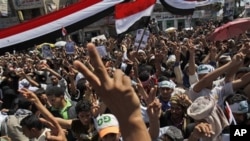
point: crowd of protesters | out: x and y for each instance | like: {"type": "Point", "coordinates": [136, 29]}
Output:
{"type": "Point", "coordinates": [181, 86]}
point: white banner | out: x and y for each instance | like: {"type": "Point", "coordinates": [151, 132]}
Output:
{"type": "Point", "coordinates": [100, 37]}
{"type": "Point", "coordinates": [27, 4]}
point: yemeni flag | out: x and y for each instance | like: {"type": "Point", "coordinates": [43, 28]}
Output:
{"type": "Point", "coordinates": [184, 7]}
{"type": "Point", "coordinates": [131, 16]}
{"type": "Point", "coordinates": [64, 31]}
{"type": "Point", "coordinates": [49, 27]}
{"type": "Point", "coordinates": [229, 114]}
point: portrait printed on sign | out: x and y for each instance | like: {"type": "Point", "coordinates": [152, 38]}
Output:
{"type": "Point", "coordinates": [141, 38]}
{"type": "Point", "coordinates": [46, 51]}
{"type": "Point", "coordinates": [70, 47]}
{"type": "Point", "coordinates": [102, 51]}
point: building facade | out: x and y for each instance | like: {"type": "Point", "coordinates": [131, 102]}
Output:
{"type": "Point", "coordinates": [16, 11]}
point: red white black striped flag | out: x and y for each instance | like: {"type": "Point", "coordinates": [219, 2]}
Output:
{"type": "Point", "coordinates": [184, 7]}
{"type": "Point", "coordinates": [133, 15]}
{"type": "Point", "coordinates": [64, 31]}
{"type": "Point", "coordinates": [229, 114]}
{"type": "Point", "coordinates": [48, 28]}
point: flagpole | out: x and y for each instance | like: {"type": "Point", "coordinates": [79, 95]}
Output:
{"type": "Point", "coordinates": [144, 30]}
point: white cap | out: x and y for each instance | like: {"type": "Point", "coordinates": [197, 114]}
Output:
{"type": "Point", "coordinates": [204, 69]}
{"type": "Point", "coordinates": [166, 84]}
{"type": "Point", "coordinates": [107, 123]}
{"type": "Point", "coordinates": [171, 58]}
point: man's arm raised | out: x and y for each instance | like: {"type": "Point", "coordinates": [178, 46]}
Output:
{"type": "Point", "coordinates": [118, 94]}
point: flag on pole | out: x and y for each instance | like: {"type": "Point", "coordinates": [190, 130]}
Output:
{"type": "Point", "coordinates": [48, 27]}
{"type": "Point", "coordinates": [229, 114]}
{"type": "Point", "coordinates": [184, 7]}
{"type": "Point", "coordinates": [64, 31]}
{"type": "Point", "coordinates": [130, 16]}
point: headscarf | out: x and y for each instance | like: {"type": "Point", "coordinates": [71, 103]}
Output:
{"type": "Point", "coordinates": [206, 108]}
{"type": "Point", "coordinates": [181, 99]}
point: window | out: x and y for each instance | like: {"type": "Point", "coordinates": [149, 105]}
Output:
{"type": "Point", "coordinates": [31, 13]}
{"type": "Point", "coordinates": [170, 23]}
{"type": "Point", "coordinates": [181, 24]}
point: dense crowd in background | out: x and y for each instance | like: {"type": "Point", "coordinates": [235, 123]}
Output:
{"type": "Point", "coordinates": [180, 86]}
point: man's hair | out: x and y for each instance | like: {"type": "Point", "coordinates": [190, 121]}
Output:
{"type": "Point", "coordinates": [162, 78]}
{"type": "Point", "coordinates": [235, 98]}
{"type": "Point", "coordinates": [83, 106]}
{"type": "Point", "coordinates": [23, 103]}
{"type": "Point", "coordinates": [40, 91]}
{"type": "Point", "coordinates": [54, 91]}
{"type": "Point", "coordinates": [173, 133]}
{"type": "Point", "coordinates": [168, 74]}
{"type": "Point", "coordinates": [32, 121]}
{"type": "Point", "coordinates": [80, 85]}
{"type": "Point", "coordinates": [243, 70]}
{"type": "Point", "coordinates": [144, 76]}
{"type": "Point", "coordinates": [40, 76]}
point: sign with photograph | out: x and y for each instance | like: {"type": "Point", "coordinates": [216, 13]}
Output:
{"type": "Point", "coordinates": [70, 47]}
{"type": "Point", "coordinates": [141, 38]}
{"type": "Point", "coordinates": [46, 51]}
{"type": "Point", "coordinates": [102, 51]}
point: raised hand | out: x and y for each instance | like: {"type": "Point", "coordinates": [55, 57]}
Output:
{"type": "Point", "coordinates": [57, 133]}
{"type": "Point", "coordinates": [118, 94]}
{"type": "Point", "coordinates": [29, 95]}
{"type": "Point", "coordinates": [238, 58]}
{"type": "Point", "coordinates": [154, 113]}
{"type": "Point", "coordinates": [185, 100]}
{"type": "Point", "coordinates": [154, 109]}
{"type": "Point", "coordinates": [191, 46]}
{"type": "Point", "coordinates": [203, 130]}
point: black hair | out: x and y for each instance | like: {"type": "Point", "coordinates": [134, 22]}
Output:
{"type": "Point", "coordinates": [146, 67]}
{"type": "Point", "coordinates": [83, 105]}
{"type": "Point", "coordinates": [32, 121]}
{"type": "Point", "coordinates": [169, 74]}
{"type": "Point", "coordinates": [54, 91]}
{"type": "Point", "coordinates": [144, 76]}
{"type": "Point", "coordinates": [23, 103]}
{"type": "Point", "coordinates": [235, 98]}
{"type": "Point", "coordinates": [40, 77]}
{"type": "Point", "coordinates": [81, 85]}
{"type": "Point", "coordinates": [243, 70]}
{"type": "Point", "coordinates": [162, 78]}
{"type": "Point", "coordinates": [40, 91]}
{"type": "Point", "coordinates": [174, 134]}
{"type": "Point", "coordinates": [50, 63]}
